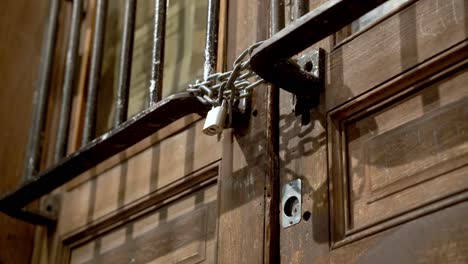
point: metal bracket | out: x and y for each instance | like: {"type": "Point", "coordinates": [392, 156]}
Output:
{"type": "Point", "coordinates": [312, 63]}
{"type": "Point", "coordinates": [45, 217]}
{"type": "Point", "coordinates": [271, 60]}
{"type": "Point", "coordinates": [291, 204]}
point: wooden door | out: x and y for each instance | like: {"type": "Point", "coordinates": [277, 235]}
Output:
{"type": "Point", "coordinates": [384, 159]}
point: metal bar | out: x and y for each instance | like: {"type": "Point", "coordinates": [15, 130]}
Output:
{"type": "Point", "coordinates": [130, 132]}
{"type": "Point", "coordinates": [95, 71]}
{"type": "Point", "coordinates": [273, 184]}
{"type": "Point", "coordinates": [301, 7]}
{"type": "Point", "coordinates": [34, 217]}
{"type": "Point", "coordinates": [69, 80]}
{"type": "Point", "coordinates": [125, 68]}
{"type": "Point", "coordinates": [157, 59]}
{"type": "Point", "coordinates": [271, 59]}
{"type": "Point", "coordinates": [41, 94]}
{"type": "Point", "coordinates": [277, 15]}
{"type": "Point", "coordinates": [211, 44]}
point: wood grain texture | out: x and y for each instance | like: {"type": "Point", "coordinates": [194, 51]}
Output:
{"type": "Point", "coordinates": [22, 24]}
{"type": "Point", "coordinates": [432, 108]}
{"type": "Point", "coordinates": [242, 181]}
{"type": "Point", "coordinates": [182, 231]}
{"type": "Point", "coordinates": [415, 144]}
{"type": "Point", "coordinates": [174, 128]}
{"type": "Point", "coordinates": [437, 238]}
{"type": "Point", "coordinates": [303, 155]}
{"type": "Point", "coordinates": [222, 35]}
{"type": "Point", "coordinates": [404, 40]}
{"type": "Point", "coordinates": [408, 49]}
{"type": "Point", "coordinates": [154, 168]}
{"type": "Point", "coordinates": [401, 160]}
{"type": "Point", "coordinates": [81, 89]}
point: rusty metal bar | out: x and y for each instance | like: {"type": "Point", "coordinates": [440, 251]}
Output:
{"type": "Point", "coordinates": [41, 94]}
{"type": "Point", "coordinates": [157, 63]}
{"type": "Point", "coordinates": [127, 134]}
{"type": "Point", "coordinates": [277, 8]}
{"type": "Point", "coordinates": [95, 71]}
{"type": "Point", "coordinates": [125, 68]}
{"type": "Point", "coordinates": [211, 42]}
{"type": "Point", "coordinates": [69, 80]}
{"type": "Point", "coordinates": [271, 59]}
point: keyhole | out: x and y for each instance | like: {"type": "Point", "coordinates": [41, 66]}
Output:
{"type": "Point", "coordinates": [291, 207]}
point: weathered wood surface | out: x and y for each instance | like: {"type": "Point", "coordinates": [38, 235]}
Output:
{"type": "Point", "coordinates": [430, 113]}
{"type": "Point", "coordinates": [303, 155]}
{"type": "Point", "coordinates": [397, 156]}
{"type": "Point", "coordinates": [406, 39]}
{"type": "Point", "coordinates": [22, 24]}
{"type": "Point", "coordinates": [413, 46]}
{"type": "Point", "coordinates": [243, 177]}
{"type": "Point", "coordinates": [418, 143]}
{"type": "Point", "coordinates": [162, 174]}
{"type": "Point", "coordinates": [155, 167]}
{"type": "Point", "coordinates": [181, 232]}
{"type": "Point", "coordinates": [81, 90]}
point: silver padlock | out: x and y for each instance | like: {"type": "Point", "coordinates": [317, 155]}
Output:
{"type": "Point", "coordinates": [215, 120]}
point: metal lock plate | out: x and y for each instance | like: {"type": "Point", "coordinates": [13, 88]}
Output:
{"type": "Point", "coordinates": [313, 63]}
{"type": "Point", "coordinates": [291, 204]}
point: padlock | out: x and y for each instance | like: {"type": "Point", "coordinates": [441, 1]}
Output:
{"type": "Point", "coordinates": [215, 120]}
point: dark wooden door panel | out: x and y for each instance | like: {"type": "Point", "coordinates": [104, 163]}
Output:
{"type": "Point", "coordinates": [401, 154]}
{"type": "Point", "coordinates": [393, 122]}
{"type": "Point", "coordinates": [182, 232]}
{"type": "Point", "coordinates": [397, 153]}
{"type": "Point", "coordinates": [410, 37]}
{"type": "Point", "coordinates": [438, 238]}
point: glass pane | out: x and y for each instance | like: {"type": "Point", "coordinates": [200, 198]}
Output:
{"type": "Point", "coordinates": [184, 49]}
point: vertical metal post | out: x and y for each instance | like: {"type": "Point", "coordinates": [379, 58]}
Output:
{"type": "Point", "coordinates": [157, 59]}
{"type": "Point", "coordinates": [277, 16]}
{"type": "Point", "coordinates": [125, 68]}
{"type": "Point", "coordinates": [34, 148]}
{"type": "Point", "coordinates": [69, 79]}
{"type": "Point", "coordinates": [211, 45]}
{"type": "Point", "coordinates": [273, 186]}
{"type": "Point", "coordinates": [301, 7]}
{"type": "Point", "coordinates": [95, 71]}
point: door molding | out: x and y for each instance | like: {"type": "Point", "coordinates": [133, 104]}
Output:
{"type": "Point", "coordinates": [439, 68]}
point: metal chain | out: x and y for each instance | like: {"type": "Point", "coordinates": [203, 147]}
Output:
{"type": "Point", "coordinates": [228, 86]}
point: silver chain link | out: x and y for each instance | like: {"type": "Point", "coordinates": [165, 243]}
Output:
{"type": "Point", "coordinates": [228, 86]}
